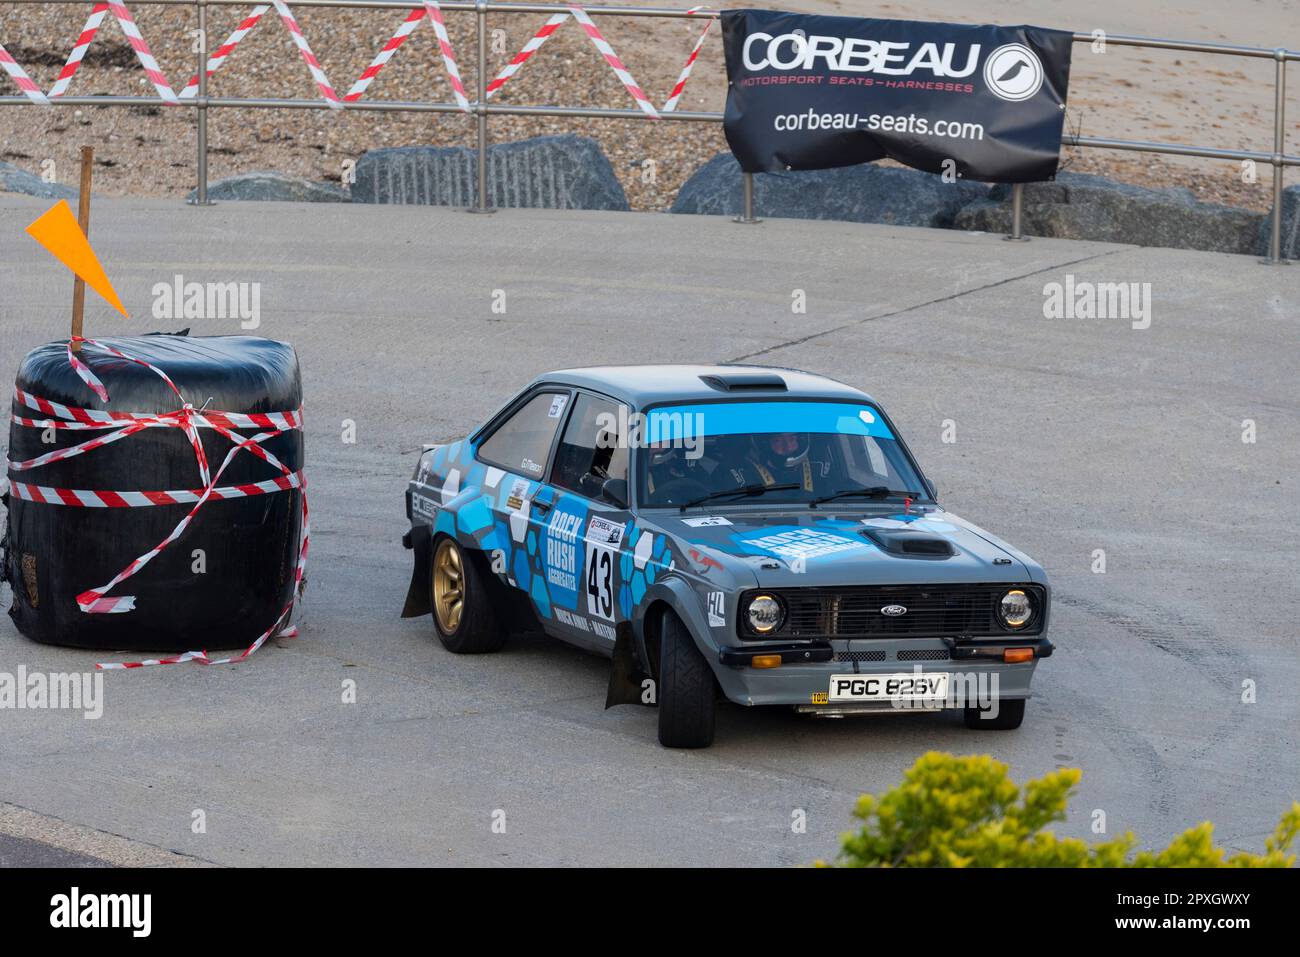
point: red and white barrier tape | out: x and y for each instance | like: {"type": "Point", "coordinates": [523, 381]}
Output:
{"type": "Point", "coordinates": [95, 419]}
{"type": "Point", "coordinates": [95, 600]}
{"type": "Point", "coordinates": [313, 66]}
{"type": "Point", "coordinates": [142, 52]}
{"type": "Point", "coordinates": [431, 9]}
{"type": "Point", "coordinates": [448, 54]}
{"type": "Point", "coordinates": [201, 657]}
{"type": "Point", "coordinates": [690, 65]}
{"type": "Point", "coordinates": [597, 39]}
{"type": "Point", "coordinates": [78, 52]}
{"type": "Point", "coordinates": [615, 64]}
{"type": "Point", "coordinates": [219, 55]}
{"type": "Point", "coordinates": [433, 12]}
{"type": "Point", "coordinates": [381, 59]}
{"type": "Point", "coordinates": [529, 48]}
{"type": "Point", "coordinates": [20, 77]}
{"type": "Point", "coordinates": [83, 498]}
{"type": "Point", "coordinates": [138, 43]}
{"type": "Point", "coordinates": [184, 415]}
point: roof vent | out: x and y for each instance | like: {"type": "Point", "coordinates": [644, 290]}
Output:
{"type": "Point", "coordinates": [745, 382]}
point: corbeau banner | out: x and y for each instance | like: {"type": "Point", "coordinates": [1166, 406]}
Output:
{"type": "Point", "coordinates": [812, 92]}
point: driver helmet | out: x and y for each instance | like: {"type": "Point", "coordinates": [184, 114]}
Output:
{"type": "Point", "coordinates": [782, 449]}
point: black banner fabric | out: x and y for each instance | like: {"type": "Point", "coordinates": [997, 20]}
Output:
{"type": "Point", "coordinates": [812, 92]}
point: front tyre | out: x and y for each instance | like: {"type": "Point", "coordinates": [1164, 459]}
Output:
{"type": "Point", "coordinates": [1011, 711]}
{"type": "Point", "coordinates": [688, 692]}
{"type": "Point", "coordinates": [462, 606]}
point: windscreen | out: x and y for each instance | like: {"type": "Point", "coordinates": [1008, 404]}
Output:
{"type": "Point", "coordinates": [770, 452]}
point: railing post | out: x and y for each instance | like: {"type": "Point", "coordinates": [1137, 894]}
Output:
{"type": "Point", "coordinates": [747, 209]}
{"type": "Point", "coordinates": [1017, 215]}
{"type": "Point", "coordinates": [480, 108]}
{"type": "Point", "coordinates": [1279, 148]}
{"type": "Point", "coordinates": [201, 193]}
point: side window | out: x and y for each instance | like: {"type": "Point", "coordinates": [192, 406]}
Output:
{"type": "Point", "coordinates": [522, 442]}
{"type": "Point", "coordinates": [591, 449]}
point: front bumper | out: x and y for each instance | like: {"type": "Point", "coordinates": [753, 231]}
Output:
{"type": "Point", "coordinates": [803, 678]}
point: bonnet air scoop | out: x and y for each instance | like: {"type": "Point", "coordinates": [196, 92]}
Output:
{"type": "Point", "coordinates": [910, 543]}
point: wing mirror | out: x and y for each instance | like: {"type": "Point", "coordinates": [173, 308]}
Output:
{"type": "Point", "coordinates": [615, 490]}
{"type": "Point", "coordinates": [932, 489]}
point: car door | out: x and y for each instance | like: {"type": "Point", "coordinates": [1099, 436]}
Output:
{"type": "Point", "coordinates": [517, 451]}
{"type": "Point", "coordinates": [585, 532]}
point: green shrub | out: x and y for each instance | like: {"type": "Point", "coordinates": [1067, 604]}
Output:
{"type": "Point", "coordinates": [966, 812]}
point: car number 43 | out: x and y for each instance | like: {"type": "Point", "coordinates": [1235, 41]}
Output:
{"type": "Point", "coordinates": [603, 540]}
{"type": "Point", "coordinates": [600, 582]}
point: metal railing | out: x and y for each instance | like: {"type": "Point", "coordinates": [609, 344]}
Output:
{"type": "Point", "coordinates": [480, 109]}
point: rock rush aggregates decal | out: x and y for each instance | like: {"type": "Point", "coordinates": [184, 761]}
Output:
{"type": "Point", "coordinates": [561, 552]}
{"type": "Point", "coordinates": [796, 542]}
{"type": "Point", "coordinates": [814, 92]}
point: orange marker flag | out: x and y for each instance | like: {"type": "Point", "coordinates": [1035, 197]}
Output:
{"type": "Point", "coordinates": [58, 232]}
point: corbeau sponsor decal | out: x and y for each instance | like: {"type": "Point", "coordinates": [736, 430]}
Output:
{"type": "Point", "coordinates": [795, 51]}
{"type": "Point", "coordinates": [974, 102]}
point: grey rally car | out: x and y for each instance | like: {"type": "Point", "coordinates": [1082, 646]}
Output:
{"type": "Point", "coordinates": [762, 534]}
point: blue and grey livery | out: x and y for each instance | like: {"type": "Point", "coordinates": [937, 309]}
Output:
{"type": "Point", "coordinates": [758, 534]}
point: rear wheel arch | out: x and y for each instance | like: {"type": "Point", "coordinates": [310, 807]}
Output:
{"type": "Point", "coordinates": [465, 615]}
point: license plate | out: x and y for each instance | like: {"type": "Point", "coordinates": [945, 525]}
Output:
{"type": "Point", "coordinates": [903, 686]}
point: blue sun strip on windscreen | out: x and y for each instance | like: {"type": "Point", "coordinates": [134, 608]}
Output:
{"type": "Point", "coordinates": [676, 422]}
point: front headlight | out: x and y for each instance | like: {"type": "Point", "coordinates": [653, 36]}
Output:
{"type": "Point", "coordinates": [1015, 609]}
{"type": "Point", "coordinates": [765, 614]}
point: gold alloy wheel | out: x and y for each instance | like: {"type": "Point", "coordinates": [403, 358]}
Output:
{"type": "Point", "coordinates": [448, 586]}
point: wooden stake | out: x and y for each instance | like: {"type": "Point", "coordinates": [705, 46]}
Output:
{"type": "Point", "coordinates": [83, 219]}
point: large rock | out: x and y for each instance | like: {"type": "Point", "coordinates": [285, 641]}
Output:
{"type": "Point", "coordinates": [269, 186]}
{"type": "Point", "coordinates": [15, 180]}
{"type": "Point", "coordinates": [546, 172]}
{"type": "Point", "coordinates": [1081, 206]}
{"type": "Point", "coordinates": [1290, 225]}
{"type": "Point", "coordinates": [860, 194]}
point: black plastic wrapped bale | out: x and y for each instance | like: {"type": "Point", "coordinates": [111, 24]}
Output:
{"type": "Point", "coordinates": [231, 573]}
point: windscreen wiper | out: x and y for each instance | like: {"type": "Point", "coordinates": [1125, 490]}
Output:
{"type": "Point", "coordinates": [743, 490]}
{"type": "Point", "coordinates": [874, 491]}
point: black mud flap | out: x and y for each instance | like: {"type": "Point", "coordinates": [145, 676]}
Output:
{"type": "Point", "coordinates": [418, 601]}
{"type": "Point", "coordinates": [625, 675]}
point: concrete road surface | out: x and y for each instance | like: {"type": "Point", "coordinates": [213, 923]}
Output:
{"type": "Point", "coordinates": [1173, 687]}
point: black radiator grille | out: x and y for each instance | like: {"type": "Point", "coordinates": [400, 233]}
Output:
{"type": "Point", "coordinates": [932, 611]}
